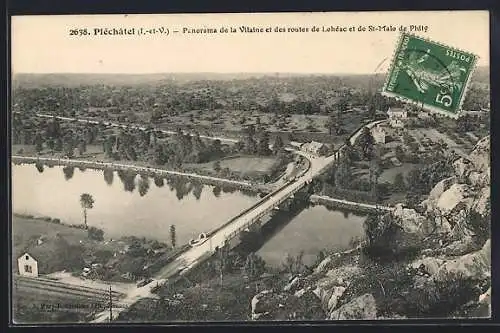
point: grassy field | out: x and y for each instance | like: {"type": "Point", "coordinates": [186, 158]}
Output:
{"type": "Point", "coordinates": [388, 175]}
{"type": "Point", "coordinates": [25, 232]}
{"type": "Point", "coordinates": [244, 165]}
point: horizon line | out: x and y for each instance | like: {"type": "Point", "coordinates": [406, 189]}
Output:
{"type": "Point", "coordinates": [208, 72]}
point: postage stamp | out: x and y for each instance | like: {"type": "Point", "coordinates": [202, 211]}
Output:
{"type": "Point", "coordinates": [429, 74]}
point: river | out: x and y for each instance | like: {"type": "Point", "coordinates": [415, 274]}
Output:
{"type": "Point", "coordinates": [142, 208]}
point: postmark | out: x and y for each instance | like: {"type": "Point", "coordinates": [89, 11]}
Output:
{"type": "Point", "coordinates": [429, 74]}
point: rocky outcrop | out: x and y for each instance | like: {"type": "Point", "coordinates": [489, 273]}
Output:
{"type": "Point", "coordinates": [333, 284]}
{"type": "Point", "coordinates": [363, 307]}
{"type": "Point", "coordinates": [440, 187]}
{"type": "Point", "coordinates": [451, 259]}
{"type": "Point", "coordinates": [480, 156]}
{"type": "Point", "coordinates": [410, 221]}
{"type": "Point", "coordinates": [272, 305]}
{"type": "Point", "coordinates": [476, 265]}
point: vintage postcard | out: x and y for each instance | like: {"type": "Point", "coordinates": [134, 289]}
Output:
{"type": "Point", "coordinates": [250, 167]}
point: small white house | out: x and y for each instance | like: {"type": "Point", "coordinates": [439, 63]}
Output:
{"type": "Point", "coordinates": [27, 265]}
{"type": "Point", "coordinates": [314, 148]}
{"type": "Point", "coordinates": [397, 117]}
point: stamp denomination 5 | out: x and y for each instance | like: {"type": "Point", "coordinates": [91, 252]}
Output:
{"type": "Point", "coordinates": [429, 74]}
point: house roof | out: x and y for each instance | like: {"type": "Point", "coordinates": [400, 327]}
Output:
{"type": "Point", "coordinates": [314, 145]}
{"type": "Point", "coordinates": [25, 254]}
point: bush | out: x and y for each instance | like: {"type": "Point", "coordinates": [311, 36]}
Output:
{"type": "Point", "coordinates": [360, 184]}
{"type": "Point", "coordinates": [95, 233]}
{"type": "Point", "coordinates": [57, 221]}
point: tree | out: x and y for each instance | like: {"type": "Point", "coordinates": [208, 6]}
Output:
{"type": "Point", "coordinates": [87, 202]}
{"type": "Point", "coordinates": [399, 182]}
{"type": "Point", "coordinates": [216, 147]}
{"type": "Point", "coordinates": [366, 142]}
{"type": "Point", "coordinates": [294, 265]}
{"type": "Point", "coordinates": [400, 154]}
{"type": "Point", "coordinates": [58, 146]}
{"type": "Point", "coordinates": [255, 266]}
{"type": "Point", "coordinates": [278, 145]}
{"type": "Point", "coordinates": [173, 236]}
{"type": "Point", "coordinates": [38, 142]}
{"type": "Point", "coordinates": [263, 144]}
{"type": "Point", "coordinates": [249, 143]}
{"type": "Point", "coordinates": [217, 166]}
{"type": "Point", "coordinates": [69, 145]}
{"type": "Point", "coordinates": [375, 171]}
{"type": "Point", "coordinates": [222, 256]}
{"type": "Point", "coordinates": [95, 233]}
{"type": "Point", "coordinates": [372, 111]}
{"type": "Point", "coordinates": [82, 147]}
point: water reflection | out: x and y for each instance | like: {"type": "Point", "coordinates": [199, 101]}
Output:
{"type": "Point", "coordinates": [216, 191]}
{"type": "Point", "coordinates": [159, 181]}
{"type": "Point", "coordinates": [68, 171]}
{"type": "Point", "coordinates": [197, 190]}
{"type": "Point", "coordinates": [108, 176]}
{"type": "Point", "coordinates": [314, 229]}
{"type": "Point", "coordinates": [143, 185]}
{"type": "Point", "coordinates": [128, 179]}
{"type": "Point", "coordinates": [120, 210]}
{"type": "Point", "coordinates": [39, 167]}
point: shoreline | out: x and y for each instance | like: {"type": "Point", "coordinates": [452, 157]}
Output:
{"type": "Point", "coordinates": [152, 172]}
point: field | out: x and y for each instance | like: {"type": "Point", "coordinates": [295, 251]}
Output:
{"type": "Point", "coordinates": [388, 175]}
{"type": "Point", "coordinates": [249, 164]}
{"type": "Point", "coordinates": [26, 230]}
{"type": "Point", "coordinates": [244, 165]}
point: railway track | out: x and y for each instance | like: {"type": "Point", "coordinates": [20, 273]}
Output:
{"type": "Point", "coordinates": [64, 290]}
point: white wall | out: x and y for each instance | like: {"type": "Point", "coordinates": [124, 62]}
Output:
{"type": "Point", "coordinates": [22, 261]}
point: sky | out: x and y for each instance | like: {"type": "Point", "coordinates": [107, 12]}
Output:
{"type": "Point", "coordinates": [42, 44]}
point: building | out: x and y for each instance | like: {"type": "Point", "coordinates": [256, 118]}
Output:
{"type": "Point", "coordinates": [378, 134]}
{"type": "Point", "coordinates": [27, 265]}
{"type": "Point", "coordinates": [314, 148]}
{"type": "Point", "coordinates": [397, 117]}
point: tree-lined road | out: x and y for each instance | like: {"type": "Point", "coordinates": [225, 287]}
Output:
{"type": "Point", "coordinates": [133, 126]}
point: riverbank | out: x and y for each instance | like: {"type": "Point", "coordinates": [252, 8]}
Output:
{"type": "Point", "coordinates": [148, 171]}
{"type": "Point", "coordinates": [126, 259]}
{"type": "Point", "coordinates": [348, 205]}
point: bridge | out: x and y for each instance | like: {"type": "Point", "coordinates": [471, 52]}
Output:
{"type": "Point", "coordinates": [195, 255]}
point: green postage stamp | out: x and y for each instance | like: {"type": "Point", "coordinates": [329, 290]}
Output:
{"type": "Point", "coordinates": [429, 74]}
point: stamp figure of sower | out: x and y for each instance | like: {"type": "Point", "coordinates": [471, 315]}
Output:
{"type": "Point", "coordinates": [429, 74]}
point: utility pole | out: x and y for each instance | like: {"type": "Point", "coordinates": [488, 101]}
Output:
{"type": "Point", "coordinates": [110, 305]}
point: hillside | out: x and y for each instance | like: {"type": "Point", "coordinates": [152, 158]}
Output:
{"type": "Point", "coordinates": [431, 261]}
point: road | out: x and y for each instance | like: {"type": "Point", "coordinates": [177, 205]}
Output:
{"type": "Point", "coordinates": [112, 165]}
{"type": "Point", "coordinates": [193, 255]}
{"type": "Point", "coordinates": [222, 139]}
